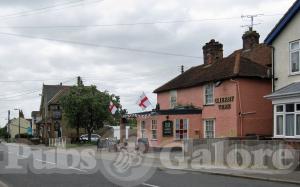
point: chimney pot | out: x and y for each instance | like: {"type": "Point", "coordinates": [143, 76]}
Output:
{"type": "Point", "coordinates": [250, 39]}
{"type": "Point", "coordinates": [212, 52]}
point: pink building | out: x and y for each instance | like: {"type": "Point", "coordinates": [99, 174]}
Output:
{"type": "Point", "coordinates": [224, 97]}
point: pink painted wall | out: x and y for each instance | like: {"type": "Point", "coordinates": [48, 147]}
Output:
{"type": "Point", "coordinates": [195, 124]}
{"type": "Point", "coordinates": [259, 117]}
{"type": "Point", "coordinates": [228, 123]}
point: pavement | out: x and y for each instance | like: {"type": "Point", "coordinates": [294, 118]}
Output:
{"type": "Point", "coordinates": [161, 175]}
{"type": "Point", "coordinates": [292, 177]}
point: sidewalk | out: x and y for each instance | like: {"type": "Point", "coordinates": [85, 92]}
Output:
{"type": "Point", "coordinates": [257, 174]}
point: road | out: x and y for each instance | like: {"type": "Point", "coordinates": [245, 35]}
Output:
{"type": "Point", "coordinates": [74, 177]}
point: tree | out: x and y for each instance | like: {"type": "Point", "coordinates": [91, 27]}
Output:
{"type": "Point", "coordinates": [3, 132]}
{"type": "Point", "coordinates": [87, 107]}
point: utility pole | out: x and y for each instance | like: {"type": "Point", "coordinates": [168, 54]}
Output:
{"type": "Point", "coordinates": [8, 121]}
{"type": "Point", "coordinates": [79, 81]}
{"type": "Point", "coordinates": [251, 17]}
{"type": "Point", "coordinates": [19, 121]}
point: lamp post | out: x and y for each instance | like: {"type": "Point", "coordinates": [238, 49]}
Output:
{"type": "Point", "coordinates": [19, 110]}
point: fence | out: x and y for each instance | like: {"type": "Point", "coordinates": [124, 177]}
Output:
{"type": "Point", "coordinates": [58, 142]}
{"type": "Point", "coordinates": [266, 154]}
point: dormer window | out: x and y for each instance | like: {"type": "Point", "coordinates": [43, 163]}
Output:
{"type": "Point", "coordinates": [295, 57]}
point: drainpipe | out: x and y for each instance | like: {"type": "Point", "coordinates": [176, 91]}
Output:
{"type": "Point", "coordinates": [273, 69]}
{"type": "Point", "coordinates": [240, 105]}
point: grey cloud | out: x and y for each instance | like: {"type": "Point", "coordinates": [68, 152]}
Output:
{"type": "Point", "coordinates": [121, 72]}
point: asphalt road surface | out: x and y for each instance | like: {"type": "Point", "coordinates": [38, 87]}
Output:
{"type": "Point", "coordinates": [74, 177]}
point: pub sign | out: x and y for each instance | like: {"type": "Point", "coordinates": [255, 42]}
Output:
{"type": "Point", "coordinates": [167, 128]}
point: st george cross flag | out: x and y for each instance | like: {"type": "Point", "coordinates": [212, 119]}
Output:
{"type": "Point", "coordinates": [112, 108]}
{"type": "Point", "coordinates": [143, 101]}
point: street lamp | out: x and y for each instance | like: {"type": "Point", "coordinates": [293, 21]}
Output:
{"type": "Point", "coordinates": [19, 121]}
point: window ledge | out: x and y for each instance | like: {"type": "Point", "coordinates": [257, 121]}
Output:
{"type": "Point", "coordinates": [212, 104]}
{"type": "Point", "coordinates": [294, 74]}
{"type": "Point", "coordinates": [287, 137]}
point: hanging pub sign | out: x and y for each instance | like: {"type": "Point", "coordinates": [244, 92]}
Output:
{"type": "Point", "coordinates": [224, 103]}
{"type": "Point", "coordinates": [167, 128]}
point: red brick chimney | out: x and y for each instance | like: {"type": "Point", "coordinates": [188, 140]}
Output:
{"type": "Point", "coordinates": [250, 39]}
{"type": "Point", "coordinates": [212, 52]}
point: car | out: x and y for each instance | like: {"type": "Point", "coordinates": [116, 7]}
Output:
{"type": "Point", "coordinates": [85, 137]}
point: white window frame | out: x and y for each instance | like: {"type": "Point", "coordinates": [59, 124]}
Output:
{"type": "Point", "coordinates": [173, 94]}
{"type": "Point", "coordinates": [187, 129]}
{"type": "Point", "coordinates": [275, 120]}
{"type": "Point", "coordinates": [153, 128]}
{"type": "Point", "coordinates": [214, 127]}
{"type": "Point", "coordinates": [284, 113]}
{"type": "Point", "coordinates": [290, 57]}
{"type": "Point", "coordinates": [143, 130]}
{"type": "Point", "coordinates": [213, 94]}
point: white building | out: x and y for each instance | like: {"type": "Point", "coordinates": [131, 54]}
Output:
{"type": "Point", "coordinates": [116, 133]}
{"type": "Point", "coordinates": [14, 126]}
{"type": "Point", "coordinates": [285, 39]}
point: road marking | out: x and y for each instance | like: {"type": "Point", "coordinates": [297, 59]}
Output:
{"type": "Point", "coordinates": [45, 161]}
{"type": "Point", "coordinates": [77, 169]}
{"type": "Point", "coordinates": [52, 163]}
{"type": "Point", "coordinates": [150, 185]}
{"type": "Point", "coordinates": [2, 184]}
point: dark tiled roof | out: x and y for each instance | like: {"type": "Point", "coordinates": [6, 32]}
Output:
{"type": "Point", "coordinates": [35, 113]}
{"type": "Point", "coordinates": [181, 111]}
{"type": "Point", "coordinates": [49, 91]}
{"type": "Point", "coordinates": [55, 99]}
{"type": "Point", "coordinates": [291, 89]}
{"type": "Point", "coordinates": [231, 67]}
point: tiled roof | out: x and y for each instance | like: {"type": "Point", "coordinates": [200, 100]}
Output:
{"type": "Point", "coordinates": [49, 91]}
{"type": "Point", "coordinates": [181, 111]}
{"type": "Point", "coordinates": [231, 67]}
{"type": "Point", "coordinates": [35, 113]}
{"type": "Point", "coordinates": [291, 89]}
{"type": "Point", "coordinates": [55, 99]}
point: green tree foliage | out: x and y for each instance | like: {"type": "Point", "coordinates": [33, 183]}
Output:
{"type": "Point", "coordinates": [3, 132]}
{"type": "Point", "coordinates": [86, 107]}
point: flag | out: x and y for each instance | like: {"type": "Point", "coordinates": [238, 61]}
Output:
{"type": "Point", "coordinates": [143, 101]}
{"type": "Point", "coordinates": [112, 108]}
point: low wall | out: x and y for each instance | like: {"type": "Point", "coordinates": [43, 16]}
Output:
{"type": "Point", "coordinates": [268, 154]}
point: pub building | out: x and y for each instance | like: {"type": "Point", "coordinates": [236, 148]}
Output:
{"type": "Point", "coordinates": [224, 97]}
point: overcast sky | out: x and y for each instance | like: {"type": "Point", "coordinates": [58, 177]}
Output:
{"type": "Point", "coordinates": [27, 63]}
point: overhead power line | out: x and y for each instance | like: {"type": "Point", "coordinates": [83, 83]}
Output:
{"type": "Point", "coordinates": [32, 80]}
{"type": "Point", "coordinates": [101, 46]}
{"type": "Point", "coordinates": [123, 24]}
{"type": "Point", "coordinates": [59, 6]}
{"type": "Point", "coordinates": [14, 96]}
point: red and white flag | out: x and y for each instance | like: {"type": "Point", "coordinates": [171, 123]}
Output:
{"type": "Point", "coordinates": [143, 101]}
{"type": "Point", "coordinates": [112, 108]}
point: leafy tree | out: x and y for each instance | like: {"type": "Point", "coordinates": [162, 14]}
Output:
{"type": "Point", "coordinates": [87, 107]}
{"type": "Point", "coordinates": [3, 132]}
